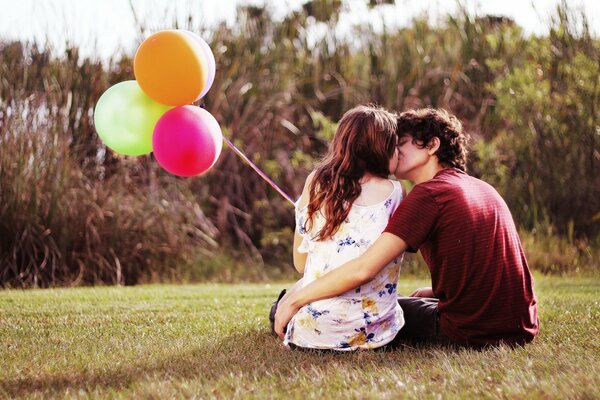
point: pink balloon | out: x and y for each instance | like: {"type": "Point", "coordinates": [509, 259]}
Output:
{"type": "Point", "coordinates": [187, 141]}
{"type": "Point", "coordinates": [210, 60]}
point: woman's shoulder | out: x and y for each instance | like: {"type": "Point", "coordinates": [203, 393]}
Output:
{"type": "Point", "coordinates": [302, 202]}
{"type": "Point", "coordinates": [378, 192]}
{"type": "Point", "coordinates": [399, 190]}
{"type": "Point", "coordinates": [396, 196]}
{"type": "Point", "coordinates": [388, 185]}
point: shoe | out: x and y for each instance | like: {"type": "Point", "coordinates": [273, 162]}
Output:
{"type": "Point", "coordinates": [274, 310]}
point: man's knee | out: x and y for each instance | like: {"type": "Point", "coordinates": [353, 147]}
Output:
{"type": "Point", "coordinates": [420, 319]}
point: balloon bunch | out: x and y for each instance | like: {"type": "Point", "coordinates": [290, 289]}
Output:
{"type": "Point", "coordinates": [154, 113]}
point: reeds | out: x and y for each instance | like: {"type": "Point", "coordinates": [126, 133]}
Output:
{"type": "Point", "coordinates": [70, 213]}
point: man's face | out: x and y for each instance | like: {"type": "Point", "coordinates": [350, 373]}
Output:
{"type": "Point", "coordinates": [411, 158]}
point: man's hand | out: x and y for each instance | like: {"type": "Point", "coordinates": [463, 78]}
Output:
{"type": "Point", "coordinates": [285, 311]}
{"type": "Point", "coordinates": [423, 292]}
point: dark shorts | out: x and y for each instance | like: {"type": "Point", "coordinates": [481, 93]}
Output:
{"type": "Point", "coordinates": [421, 322]}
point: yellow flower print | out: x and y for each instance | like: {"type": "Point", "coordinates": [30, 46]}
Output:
{"type": "Point", "coordinates": [378, 286]}
{"type": "Point", "coordinates": [369, 305]}
{"type": "Point", "coordinates": [385, 326]}
{"type": "Point", "coordinates": [357, 340]}
{"type": "Point", "coordinates": [306, 321]}
{"type": "Point", "coordinates": [392, 273]}
{"type": "Point", "coordinates": [342, 231]}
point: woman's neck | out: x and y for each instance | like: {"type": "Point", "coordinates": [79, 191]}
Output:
{"type": "Point", "coordinates": [367, 176]}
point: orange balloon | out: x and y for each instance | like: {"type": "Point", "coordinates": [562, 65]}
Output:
{"type": "Point", "coordinates": [171, 68]}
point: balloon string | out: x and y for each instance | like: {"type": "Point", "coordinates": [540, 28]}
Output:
{"type": "Point", "coordinates": [258, 171]}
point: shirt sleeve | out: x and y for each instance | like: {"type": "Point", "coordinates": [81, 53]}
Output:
{"type": "Point", "coordinates": [415, 218]}
{"type": "Point", "coordinates": [300, 221]}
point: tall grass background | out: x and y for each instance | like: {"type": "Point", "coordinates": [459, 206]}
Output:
{"type": "Point", "coordinates": [73, 212]}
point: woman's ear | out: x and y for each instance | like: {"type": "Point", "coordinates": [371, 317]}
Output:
{"type": "Point", "coordinates": [433, 145]}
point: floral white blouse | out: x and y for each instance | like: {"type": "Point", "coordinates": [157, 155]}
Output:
{"type": "Point", "coordinates": [362, 318]}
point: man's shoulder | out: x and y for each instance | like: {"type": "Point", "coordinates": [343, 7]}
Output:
{"type": "Point", "coordinates": [453, 179]}
{"type": "Point", "coordinates": [447, 180]}
{"type": "Point", "coordinates": [455, 189]}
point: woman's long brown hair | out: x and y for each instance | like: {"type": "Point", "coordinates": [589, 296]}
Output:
{"type": "Point", "coordinates": [365, 141]}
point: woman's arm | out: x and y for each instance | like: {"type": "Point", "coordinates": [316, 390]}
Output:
{"type": "Point", "coordinates": [295, 287]}
{"type": "Point", "coordinates": [348, 276]}
{"type": "Point", "coordinates": [300, 258]}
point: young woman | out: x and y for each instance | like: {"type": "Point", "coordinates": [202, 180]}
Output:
{"type": "Point", "coordinates": [345, 205]}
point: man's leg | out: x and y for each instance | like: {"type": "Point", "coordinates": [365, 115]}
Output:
{"type": "Point", "coordinates": [421, 321]}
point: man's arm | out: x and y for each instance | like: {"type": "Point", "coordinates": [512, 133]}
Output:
{"type": "Point", "coordinates": [423, 292]}
{"type": "Point", "coordinates": [348, 276]}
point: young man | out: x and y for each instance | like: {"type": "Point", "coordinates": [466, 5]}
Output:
{"type": "Point", "coordinates": [482, 289]}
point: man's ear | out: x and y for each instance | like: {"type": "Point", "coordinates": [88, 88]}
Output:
{"type": "Point", "coordinates": [433, 145]}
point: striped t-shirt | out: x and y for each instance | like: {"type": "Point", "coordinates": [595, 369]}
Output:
{"type": "Point", "coordinates": [468, 239]}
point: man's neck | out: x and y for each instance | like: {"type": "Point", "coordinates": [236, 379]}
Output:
{"type": "Point", "coordinates": [427, 172]}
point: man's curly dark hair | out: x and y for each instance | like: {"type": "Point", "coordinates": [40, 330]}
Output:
{"type": "Point", "coordinates": [426, 123]}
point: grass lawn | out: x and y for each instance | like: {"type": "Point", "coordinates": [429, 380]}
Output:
{"type": "Point", "coordinates": [213, 341]}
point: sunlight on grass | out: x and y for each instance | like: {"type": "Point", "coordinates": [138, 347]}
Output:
{"type": "Point", "coordinates": [163, 341]}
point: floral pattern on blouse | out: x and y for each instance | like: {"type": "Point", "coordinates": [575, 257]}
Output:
{"type": "Point", "coordinates": [362, 318]}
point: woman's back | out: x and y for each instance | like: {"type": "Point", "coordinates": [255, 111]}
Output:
{"type": "Point", "coordinates": [368, 316]}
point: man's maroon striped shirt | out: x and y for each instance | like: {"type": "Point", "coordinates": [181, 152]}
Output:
{"type": "Point", "coordinates": [468, 239]}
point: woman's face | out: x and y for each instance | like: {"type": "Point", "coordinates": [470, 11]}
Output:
{"type": "Point", "coordinates": [394, 161]}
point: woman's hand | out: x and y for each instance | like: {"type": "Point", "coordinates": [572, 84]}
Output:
{"type": "Point", "coordinates": [285, 311]}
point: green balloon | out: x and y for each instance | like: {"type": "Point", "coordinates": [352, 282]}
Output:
{"type": "Point", "coordinates": [125, 117]}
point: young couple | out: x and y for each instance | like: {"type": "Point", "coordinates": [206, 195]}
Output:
{"type": "Point", "coordinates": [353, 225]}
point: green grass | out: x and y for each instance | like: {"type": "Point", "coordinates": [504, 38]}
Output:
{"type": "Point", "coordinates": [213, 341]}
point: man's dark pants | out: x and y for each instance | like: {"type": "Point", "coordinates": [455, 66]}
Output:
{"type": "Point", "coordinates": [421, 321]}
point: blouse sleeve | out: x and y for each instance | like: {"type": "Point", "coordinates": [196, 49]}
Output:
{"type": "Point", "coordinates": [396, 198]}
{"type": "Point", "coordinates": [300, 216]}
